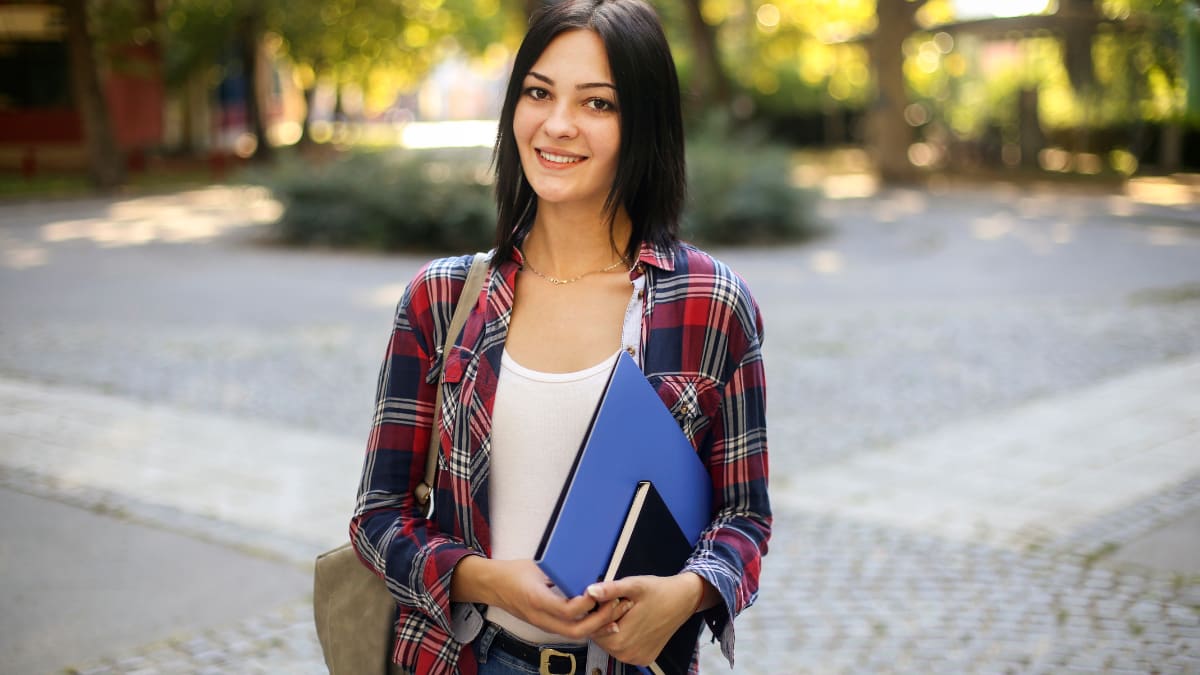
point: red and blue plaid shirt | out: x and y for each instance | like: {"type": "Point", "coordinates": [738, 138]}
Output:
{"type": "Point", "coordinates": [700, 348]}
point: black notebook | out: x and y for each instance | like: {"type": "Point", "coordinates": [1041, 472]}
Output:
{"type": "Point", "coordinates": [650, 542]}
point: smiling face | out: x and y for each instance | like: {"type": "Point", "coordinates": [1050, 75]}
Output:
{"type": "Point", "coordinates": [567, 126]}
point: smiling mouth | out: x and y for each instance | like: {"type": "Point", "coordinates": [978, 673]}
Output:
{"type": "Point", "coordinates": [559, 159]}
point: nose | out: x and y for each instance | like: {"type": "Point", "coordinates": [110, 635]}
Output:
{"type": "Point", "coordinates": [560, 123]}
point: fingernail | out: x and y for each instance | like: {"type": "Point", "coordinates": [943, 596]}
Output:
{"type": "Point", "coordinates": [594, 591]}
{"type": "Point", "coordinates": [614, 630]}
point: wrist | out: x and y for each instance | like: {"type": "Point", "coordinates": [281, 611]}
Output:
{"type": "Point", "coordinates": [698, 590]}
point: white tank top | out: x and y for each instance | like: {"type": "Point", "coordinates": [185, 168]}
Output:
{"type": "Point", "coordinates": [538, 422]}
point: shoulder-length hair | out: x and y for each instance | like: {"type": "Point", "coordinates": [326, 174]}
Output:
{"type": "Point", "coordinates": [651, 178]}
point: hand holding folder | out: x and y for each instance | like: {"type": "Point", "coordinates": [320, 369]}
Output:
{"type": "Point", "coordinates": [633, 438]}
{"type": "Point", "coordinates": [651, 543]}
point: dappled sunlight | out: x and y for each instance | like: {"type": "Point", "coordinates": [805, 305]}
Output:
{"type": "Point", "coordinates": [900, 204]}
{"type": "Point", "coordinates": [850, 186]}
{"type": "Point", "coordinates": [827, 262]}
{"type": "Point", "coordinates": [450, 134]}
{"type": "Point", "coordinates": [990, 228]}
{"type": "Point", "coordinates": [1164, 235]}
{"type": "Point", "coordinates": [197, 216]}
{"type": "Point", "coordinates": [1038, 238]}
{"type": "Point", "coordinates": [23, 256]}
{"type": "Point", "coordinates": [1165, 191]}
{"type": "Point", "coordinates": [841, 173]}
{"type": "Point", "coordinates": [1120, 206]}
{"type": "Point", "coordinates": [1062, 233]}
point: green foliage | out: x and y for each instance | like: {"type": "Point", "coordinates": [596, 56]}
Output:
{"type": "Point", "coordinates": [386, 201]}
{"type": "Point", "coordinates": [348, 40]}
{"type": "Point", "coordinates": [740, 191]}
{"type": "Point", "coordinates": [196, 33]}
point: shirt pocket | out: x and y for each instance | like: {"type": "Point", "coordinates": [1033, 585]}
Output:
{"type": "Point", "coordinates": [692, 398]}
{"type": "Point", "coordinates": [456, 363]}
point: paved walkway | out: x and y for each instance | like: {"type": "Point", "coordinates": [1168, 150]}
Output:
{"type": "Point", "coordinates": [212, 467]}
{"type": "Point", "coordinates": [939, 554]}
{"type": "Point", "coordinates": [983, 412]}
{"type": "Point", "coordinates": [1026, 477]}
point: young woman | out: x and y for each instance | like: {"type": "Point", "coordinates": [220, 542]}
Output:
{"type": "Point", "coordinates": [590, 183]}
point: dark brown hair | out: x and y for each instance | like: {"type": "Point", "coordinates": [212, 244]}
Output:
{"type": "Point", "coordinates": [651, 177]}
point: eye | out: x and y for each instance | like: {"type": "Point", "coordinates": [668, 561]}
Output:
{"type": "Point", "coordinates": [600, 105]}
{"type": "Point", "coordinates": [537, 93]}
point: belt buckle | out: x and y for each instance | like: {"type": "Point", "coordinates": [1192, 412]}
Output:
{"type": "Point", "coordinates": [544, 657]}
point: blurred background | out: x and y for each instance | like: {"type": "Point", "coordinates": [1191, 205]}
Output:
{"type": "Point", "coordinates": [126, 88]}
{"type": "Point", "coordinates": [972, 227]}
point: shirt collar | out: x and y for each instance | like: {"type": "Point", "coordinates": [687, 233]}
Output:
{"type": "Point", "coordinates": [662, 257]}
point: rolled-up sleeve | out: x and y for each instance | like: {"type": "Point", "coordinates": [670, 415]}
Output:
{"type": "Point", "coordinates": [729, 553]}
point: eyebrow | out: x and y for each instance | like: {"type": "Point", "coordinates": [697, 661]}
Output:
{"type": "Point", "coordinates": [585, 85]}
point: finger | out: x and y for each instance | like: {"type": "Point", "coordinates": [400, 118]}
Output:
{"type": "Point", "coordinates": [622, 608]}
{"type": "Point", "coordinates": [615, 611]}
{"type": "Point", "coordinates": [590, 625]}
{"type": "Point", "coordinates": [606, 636]}
{"type": "Point", "coordinates": [576, 607]}
{"type": "Point", "coordinates": [576, 619]}
{"type": "Point", "coordinates": [628, 587]}
{"type": "Point", "coordinates": [599, 591]}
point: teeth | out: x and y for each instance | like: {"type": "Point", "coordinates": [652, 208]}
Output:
{"type": "Point", "coordinates": [558, 159]}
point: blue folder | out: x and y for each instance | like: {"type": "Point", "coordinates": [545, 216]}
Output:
{"type": "Point", "coordinates": [632, 438]}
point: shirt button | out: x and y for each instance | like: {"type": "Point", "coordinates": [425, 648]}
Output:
{"type": "Point", "coordinates": [596, 671]}
{"type": "Point", "coordinates": [641, 294]}
{"type": "Point", "coordinates": [685, 409]}
{"type": "Point", "coordinates": [631, 351]}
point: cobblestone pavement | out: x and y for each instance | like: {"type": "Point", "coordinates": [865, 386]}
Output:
{"type": "Point", "coordinates": [923, 310]}
{"type": "Point", "coordinates": [845, 594]}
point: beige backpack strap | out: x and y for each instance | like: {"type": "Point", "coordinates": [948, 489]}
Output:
{"type": "Point", "coordinates": [462, 309]}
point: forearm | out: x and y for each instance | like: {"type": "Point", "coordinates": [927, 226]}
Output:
{"type": "Point", "coordinates": [474, 580]}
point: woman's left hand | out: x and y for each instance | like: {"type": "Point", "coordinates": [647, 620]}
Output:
{"type": "Point", "coordinates": [652, 609]}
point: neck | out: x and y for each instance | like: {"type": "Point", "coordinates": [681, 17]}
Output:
{"type": "Point", "coordinates": [564, 243]}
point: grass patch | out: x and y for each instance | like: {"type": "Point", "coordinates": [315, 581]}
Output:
{"type": "Point", "coordinates": [1176, 295]}
{"type": "Point", "coordinates": [1106, 549]}
{"type": "Point", "coordinates": [77, 185]}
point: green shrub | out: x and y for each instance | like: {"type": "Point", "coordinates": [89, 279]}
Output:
{"type": "Point", "coordinates": [741, 192]}
{"type": "Point", "coordinates": [387, 201]}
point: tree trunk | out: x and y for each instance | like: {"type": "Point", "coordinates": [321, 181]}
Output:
{"type": "Point", "coordinates": [1030, 128]}
{"type": "Point", "coordinates": [1078, 20]}
{"type": "Point", "coordinates": [248, 38]}
{"type": "Point", "coordinates": [104, 160]}
{"type": "Point", "coordinates": [888, 133]}
{"type": "Point", "coordinates": [709, 83]}
{"type": "Point", "coordinates": [1170, 146]}
{"type": "Point", "coordinates": [310, 94]}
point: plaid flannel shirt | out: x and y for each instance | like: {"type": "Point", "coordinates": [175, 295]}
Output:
{"type": "Point", "coordinates": [700, 348]}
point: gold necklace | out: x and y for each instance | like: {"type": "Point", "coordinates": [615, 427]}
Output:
{"type": "Point", "coordinates": [562, 282]}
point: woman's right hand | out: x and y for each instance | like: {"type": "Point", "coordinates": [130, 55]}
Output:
{"type": "Point", "coordinates": [520, 588]}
